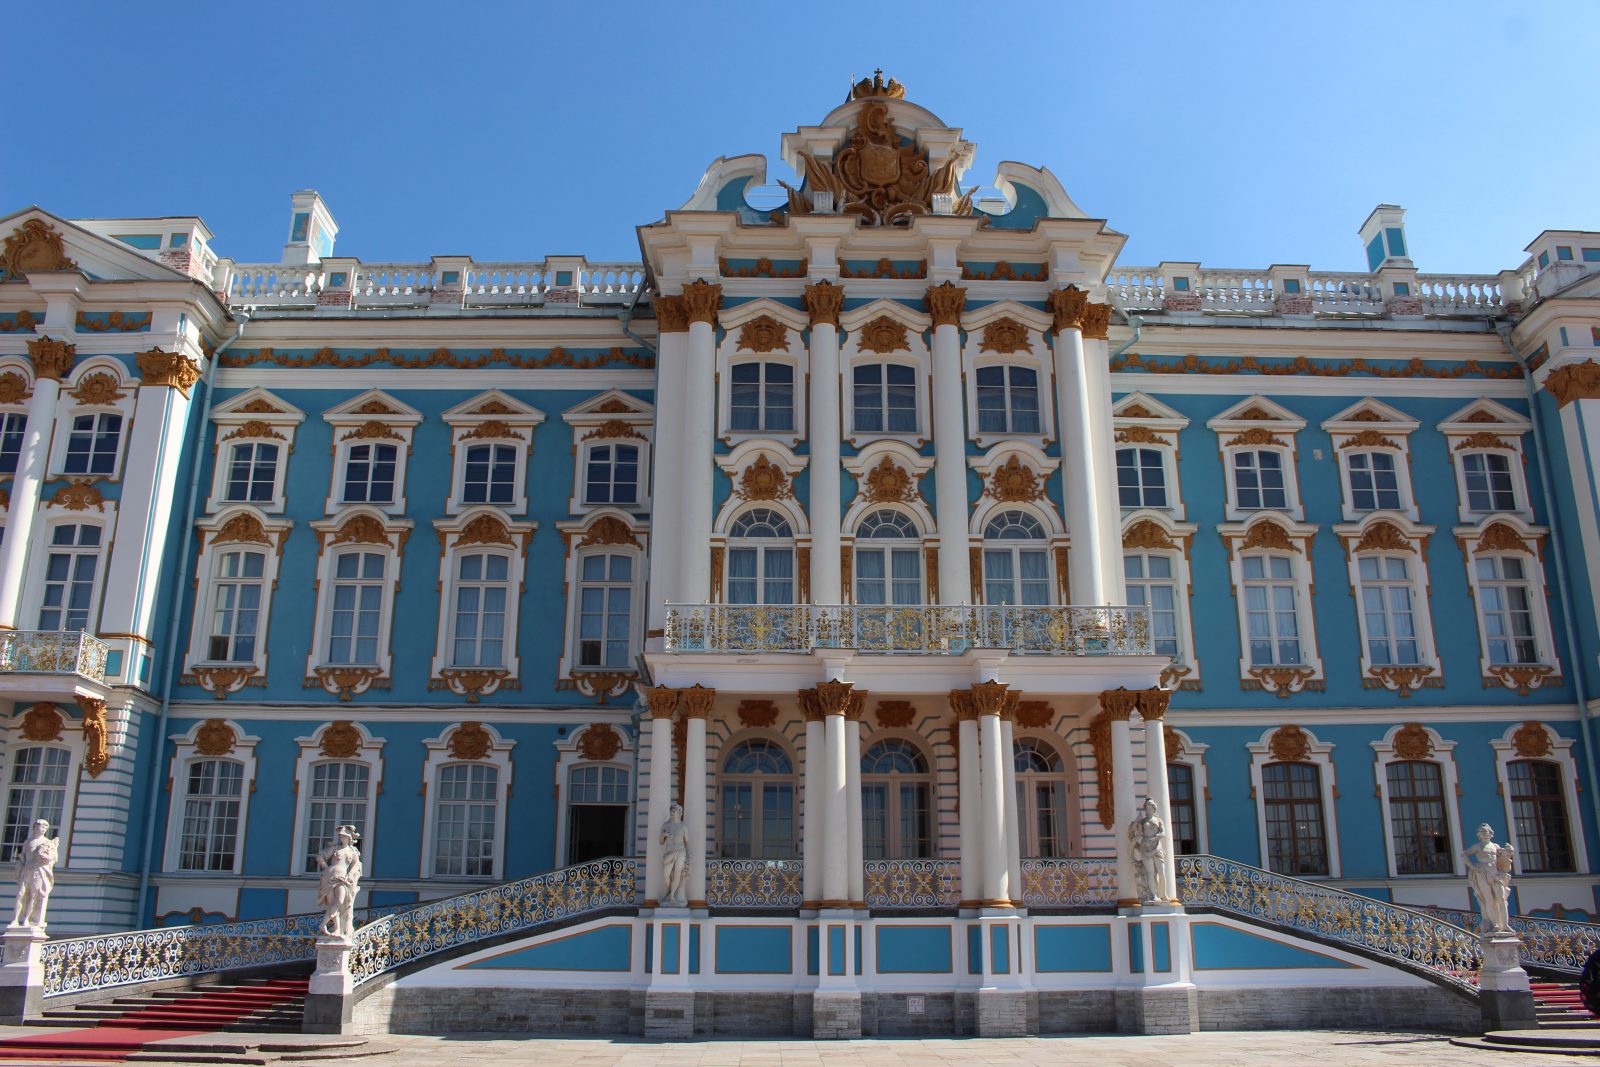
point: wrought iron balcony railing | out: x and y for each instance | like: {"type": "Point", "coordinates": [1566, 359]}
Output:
{"type": "Point", "coordinates": [924, 629]}
{"type": "Point", "coordinates": [53, 652]}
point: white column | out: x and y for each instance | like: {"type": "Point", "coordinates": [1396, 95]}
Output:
{"type": "Point", "coordinates": [666, 483]}
{"type": "Point", "coordinates": [1153, 706]}
{"type": "Point", "coordinates": [836, 835]}
{"type": "Point", "coordinates": [696, 704]}
{"type": "Point", "coordinates": [823, 301]}
{"type": "Point", "coordinates": [1103, 456]}
{"type": "Point", "coordinates": [700, 414]}
{"type": "Point", "coordinates": [856, 874]}
{"type": "Point", "coordinates": [1086, 570]}
{"type": "Point", "coordinates": [996, 872]}
{"type": "Point", "coordinates": [663, 701]}
{"type": "Point", "coordinates": [1008, 766]}
{"type": "Point", "coordinates": [51, 361]}
{"type": "Point", "coordinates": [970, 786]}
{"type": "Point", "coordinates": [812, 806]}
{"type": "Point", "coordinates": [1119, 704]}
{"type": "Point", "coordinates": [949, 445]}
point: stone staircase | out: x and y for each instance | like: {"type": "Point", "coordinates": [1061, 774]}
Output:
{"type": "Point", "coordinates": [1566, 1027]}
{"type": "Point", "coordinates": [259, 1006]}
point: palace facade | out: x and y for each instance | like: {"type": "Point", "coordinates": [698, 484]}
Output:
{"type": "Point", "coordinates": [904, 536]}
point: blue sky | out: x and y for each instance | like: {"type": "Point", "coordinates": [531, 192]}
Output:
{"type": "Point", "coordinates": [1238, 135]}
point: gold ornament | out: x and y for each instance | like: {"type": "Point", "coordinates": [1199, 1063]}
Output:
{"type": "Point", "coordinates": [1014, 481]}
{"type": "Point", "coordinates": [215, 738]}
{"type": "Point", "coordinates": [944, 304]}
{"type": "Point", "coordinates": [757, 714]}
{"type": "Point", "coordinates": [168, 368]}
{"type": "Point", "coordinates": [1005, 336]}
{"type": "Point", "coordinates": [764, 480]}
{"type": "Point", "coordinates": [96, 735]}
{"type": "Point", "coordinates": [1289, 744]}
{"type": "Point", "coordinates": [34, 247]}
{"type": "Point", "coordinates": [883, 334]}
{"type": "Point", "coordinates": [42, 723]}
{"type": "Point", "coordinates": [341, 739]}
{"type": "Point", "coordinates": [1531, 740]}
{"type": "Point", "coordinates": [763, 334]}
{"type": "Point", "coordinates": [824, 301]}
{"type": "Point", "coordinates": [599, 742]}
{"type": "Point", "coordinates": [470, 741]}
{"type": "Point", "coordinates": [1411, 742]}
{"type": "Point", "coordinates": [888, 483]}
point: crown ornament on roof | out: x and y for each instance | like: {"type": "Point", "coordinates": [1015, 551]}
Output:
{"type": "Point", "coordinates": [876, 86]}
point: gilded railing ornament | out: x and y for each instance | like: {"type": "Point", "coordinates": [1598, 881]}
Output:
{"type": "Point", "coordinates": [913, 883]}
{"type": "Point", "coordinates": [754, 883]}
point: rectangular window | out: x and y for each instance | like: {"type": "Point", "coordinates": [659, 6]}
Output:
{"type": "Point", "coordinates": [1417, 825]}
{"type": "Point", "coordinates": [761, 397]}
{"type": "Point", "coordinates": [605, 610]}
{"type": "Point", "coordinates": [12, 424]}
{"type": "Point", "coordinates": [236, 606]}
{"type": "Point", "coordinates": [1506, 603]}
{"type": "Point", "coordinates": [1269, 596]}
{"type": "Point", "coordinates": [491, 475]}
{"type": "Point", "coordinates": [885, 398]}
{"type": "Point", "coordinates": [369, 474]}
{"type": "Point", "coordinates": [1141, 478]}
{"type": "Point", "coordinates": [69, 572]}
{"type": "Point", "coordinates": [1258, 481]}
{"type": "Point", "coordinates": [1185, 821]}
{"type": "Point", "coordinates": [1296, 841]}
{"type": "Point", "coordinates": [611, 475]}
{"type": "Point", "coordinates": [1387, 608]}
{"type": "Point", "coordinates": [1539, 806]}
{"type": "Point", "coordinates": [338, 798]}
{"type": "Point", "coordinates": [482, 589]}
{"type": "Point", "coordinates": [466, 813]}
{"type": "Point", "coordinates": [1151, 585]}
{"type": "Point", "coordinates": [252, 473]}
{"type": "Point", "coordinates": [38, 791]}
{"type": "Point", "coordinates": [1008, 400]}
{"type": "Point", "coordinates": [211, 815]}
{"type": "Point", "coordinates": [760, 575]}
{"type": "Point", "coordinates": [1016, 576]}
{"type": "Point", "coordinates": [1374, 485]}
{"type": "Point", "coordinates": [357, 607]}
{"type": "Point", "coordinates": [1489, 485]}
{"type": "Point", "coordinates": [92, 444]}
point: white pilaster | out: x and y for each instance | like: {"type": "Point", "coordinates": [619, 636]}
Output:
{"type": "Point", "coordinates": [969, 783]}
{"type": "Point", "coordinates": [835, 788]}
{"type": "Point", "coordinates": [696, 704]}
{"type": "Point", "coordinates": [950, 454]}
{"type": "Point", "coordinates": [1103, 457]}
{"type": "Point", "coordinates": [856, 859]}
{"type": "Point", "coordinates": [824, 300]}
{"type": "Point", "coordinates": [1153, 706]}
{"type": "Point", "coordinates": [813, 807]}
{"type": "Point", "coordinates": [1122, 807]}
{"type": "Point", "coordinates": [51, 360]}
{"type": "Point", "coordinates": [667, 459]}
{"type": "Point", "coordinates": [996, 871]}
{"type": "Point", "coordinates": [699, 420]}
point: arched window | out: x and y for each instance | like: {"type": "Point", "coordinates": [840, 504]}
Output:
{"type": "Point", "coordinates": [338, 797]}
{"type": "Point", "coordinates": [1016, 560]}
{"type": "Point", "coordinates": [597, 812]}
{"type": "Point", "coordinates": [896, 802]}
{"type": "Point", "coordinates": [888, 555]}
{"type": "Point", "coordinates": [761, 559]}
{"type": "Point", "coordinates": [466, 812]}
{"type": "Point", "coordinates": [37, 790]}
{"type": "Point", "coordinates": [1539, 807]}
{"type": "Point", "coordinates": [1185, 818]}
{"type": "Point", "coordinates": [1419, 830]}
{"type": "Point", "coordinates": [1297, 840]}
{"type": "Point", "coordinates": [756, 805]}
{"type": "Point", "coordinates": [1041, 798]}
{"type": "Point", "coordinates": [211, 800]}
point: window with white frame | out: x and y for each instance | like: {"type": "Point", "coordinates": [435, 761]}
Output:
{"type": "Point", "coordinates": [611, 474]}
{"type": "Point", "coordinates": [37, 790]}
{"type": "Point", "coordinates": [356, 607]}
{"type": "Point", "coordinates": [238, 589]}
{"type": "Point", "coordinates": [370, 473]}
{"type": "Point", "coordinates": [466, 817]}
{"type": "Point", "coordinates": [1374, 481]}
{"type": "Point", "coordinates": [1388, 610]}
{"type": "Point", "coordinates": [1152, 584]}
{"type": "Point", "coordinates": [597, 812]}
{"type": "Point", "coordinates": [212, 795]}
{"type": "Point", "coordinates": [761, 397]}
{"type": "Point", "coordinates": [1016, 560]}
{"type": "Point", "coordinates": [12, 425]}
{"type": "Point", "coordinates": [1258, 480]}
{"type": "Point", "coordinates": [1506, 609]}
{"type": "Point", "coordinates": [338, 794]}
{"type": "Point", "coordinates": [92, 444]}
{"type": "Point", "coordinates": [1008, 399]}
{"type": "Point", "coordinates": [1041, 798]}
{"type": "Point", "coordinates": [1141, 478]}
{"type": "Point", "coordinates": [761, 559]}
{"type": "Point", "coordinates": [896, 801]}
{"type": "Point", "coordinates": [1541, 822]}
{"type": "Point", "coordinates": [1489, 483]}
{"type": "Point", "coordinates": [252, 473]}
{"type": "Point", "coordinates": [1271, 607]}
{"type": "Point", "coordinates": [885, 398]}
{"type": "Point", "coordinates": [70, 570]}
{"type": "Point", "coordinates": [756, 802]}
{"type": "Point", "coordinates": [1182, 796]}
{"type": "Point", "coordinates": [483, 591]}
{"type": "Point", "coordinates": [888, 559]}
{"type": "Point", "coordinates": [490, 474]}
{"type": "Point", "coordinates": [605, 609]}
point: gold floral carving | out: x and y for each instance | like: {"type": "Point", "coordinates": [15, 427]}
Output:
{"type": "Point", "coordinates": [600, 742]}
{"type": "Point", "coordinates": [1289, 744]}
{"type": "Point", "coordinates": [1004, 272]}
{"type": "Point", "coordinates": [885, 268]}
{"type": "Point", "coordinates": [42, 723]}
{"type": "Point", "coordinates": [763, 334]}
{"type": "Point", "coordinates": [340, 739]}
{"type": "Point", "coordinates": [172, 369]}
{"type": "Point", "coordinates": [1575, 381]}
{"type": "Point", "coordinates": [1066, 308]}
{"type": "Point", "coordinates": [215, 737]}
{"type": "Point", "coordinates": [1383, 537]}
{"type": "Point", "coordinates": [1483, 439]}
{"type": "Point", "coordinates": [493, 406]}
{"type": "Point", "coordinates": [492, 430]}
{"type": "Point", "coordinates": [1105, 778]}
{"type": "Point", "coordinates": [35, 246]}
{"type": "Point", "coordinates": [51, 358]}
{"type": "Point", "coordinates": [601, 685]}
{"type": "Point", "coordinates": [672, 316]}
{"type": "Point", "coordinates": [1063, 579]}
{"type": "Point", "coordinates": [1153, 704]}
{"type": "Point", "coordinates": [763, 268]}
{"type": "Point", "coordinates": [1303, 365]}
{"type": "Point", "coordinates": [361, 530]}
{"type": "Point", "coordinates": [1120, 703]}
{"type": "Point", "coordinates": [757, 714]}
{"type": "Point", "coordinates": [895, 714]}
{"type": "Point", "coordinates": [1256, 414]}
{"type": "Point", "coordinates": [1523, 677]}
{"type": "Point", "coordinates": [613, 429]}
{"type": "Point", "coordinates": [1172, 741]}
{"type": "Point", "coordinates": [373, 430]}
{"type": "Point", "coordinates": [889, 483]}
{"type": "Point", "coordinates": [1014, 481]}
{"type": "Point", "coordinates": [1531, 740]}
{"type": "Point", "coordinates": [1282, 681]}
{"type": "Point", "coordinates": [1141, 435]}
{"type": "Point", "coordinates": [375, 407]}
{"type": "Point", "coordinates": [697, 701]}
{"type": "Point", "coordinates": [1147, 534]}
{"type": "Point", "coordinates": [876, 86]}
{"type": "Point", "coordinates": [23, 321]}
{"type": "Point", "coordinates": [97, 389]}
{"type": "Point", "coordinates": [1411, 742]}
{"type": "Point", "coordinates": [260, 406]}
{"type": "Point", "coordinates": [662, 701]}
{"type": "Point", "coordinates": [78, 496]}
{"type": "Point", "coordinates": [221, 682]}
{"type": "Point", "coordinates": [764, 480]}
{"type": "Point", "coordinates": [1403, 680]}
{"type": "Point", "coordinates": [347, 682]}
{"type": "Point", "coordinates": [13, 388]}
{"type": "Point", "coordinates": [878, 177]}
{"type": "Point", "coordinates": [856, 707]}
{"type": "Point", "coordinates": [1482, 415]}
{"type": "Point", "coordinates": [96, 735]}
{"type": "Point", "coordinates": [944, 304]}
{"type": "Point", "coordinates": [242, 527]}
{"type": "Point", "coordinates": [962, 706]}
{"type": "Point", "coordinates": [482, 530]}
{"type": "Point", "coordinates": [824, 301]}
{"type": "Point", "coordinates": [1368, 439]}
{"type": "Point", "coordinates": [1366, 415]}
{"type": "Point", "coordinates": [834, 697]}
{"type": "Point", "coordinates": [1136, 411]}
{"type": "Point", "coordinates": [1501, 537]}
{"type": "Point", "coordinates": [1096, 322]}
{"type": "Point", "coordinates": [846, 571]}
{"type": "Point", "coordinates": [252, 429]}
{"type": "Point", "coordinates": [608, 530]}
{"type": "Point", "coordinates": [701, 300]}
{"type": "Point", "coordinates": [1034, 714]}
{"type": "Point", "coordinates": [1004, 336]}
{"type": "Point", "coordinates": [1255, 435]}
{"type": "Point", "coordinates": [1268, 535]}
{"type": "Point", "coordinates": [810, 706]}
{"type": "Point", "coordinates": [470, 741]}
{"type": "Point", "coordinates": [883, 334]}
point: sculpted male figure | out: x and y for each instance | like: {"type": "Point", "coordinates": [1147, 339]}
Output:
{"type": "Point", "coordinates": [1148, 835]}
{"type": "Point", "coordinates": [36, 876]}
{"type": "Point", "coordinates": [674, 859]}
{"type": "Point", "coordinates": [339, 884]}
{"type": "Point", "coordinates": [1489, 874]}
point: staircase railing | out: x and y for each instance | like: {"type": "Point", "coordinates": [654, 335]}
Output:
{"type": "Point", "coordinates": [404, 936]}
{"type": "Point", "coordinates": [1555, 944]}
{"type": "Point", "coordinates": [1414, 939]}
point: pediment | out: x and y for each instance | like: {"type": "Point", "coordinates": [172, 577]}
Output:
{"type": "Point", "coordinates": [373, 404]}
{"type": "Point", "coordinates": [1370, 414]}
{"type": "Point", "coordinates": [259, 404]}
{"type": "Point", "coordinates": [1485, 414]}
{"type": "Point", "coordinates": [54, 244]}
{"type": "Point", "coordinates": [611, 404]}
{"type": "Point", "coordinates": [494, 404]}
{"type": "Point", "coordinates": [1257, 411]}
{"type": "Point", "coordinates": [1147, 410]}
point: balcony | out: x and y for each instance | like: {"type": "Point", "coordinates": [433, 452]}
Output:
{"type": "Point", "coordinates": [51, 665]}
{"type": "Point", "coordinates": [911, 629]}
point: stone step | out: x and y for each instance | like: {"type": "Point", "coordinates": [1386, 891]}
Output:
{"type": "Point", "coordinates": [1483, 1044]}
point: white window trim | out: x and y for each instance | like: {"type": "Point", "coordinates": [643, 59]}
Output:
{"type": "Point", "coordinates": [1527, 542]}
{"type": "Point", "coordinates": [1441, 752]}
{"type": "Point", "coordinates": [482, 529]}
{"type": "Point", "coordinates": [1071, 833]}
{"type": "Point", "coordinates": [491, 418]}
{"type": "Point", "coordinates": [358, 528]}
{"type": "Point", "coordinates": [612, 417]}
{"type": "Point", "coordinates": [1056, 542]}
{"type": "Point", "coordinates": [1042, 366]}
{"type": "Point", "coordinates": [186, 750]}
{"type": "Point", "coordinates": [359, 421]}
{"type": "Point", "coordinates": [1276, 432]}
{"type": "Point", "coordinates": [253, 416]}
{"type": "Point", "coordinates": [1402, 538]}
{"type": "Point", "coordinates": [1281, 679]}
{"type": "Point", "coordinates": [69, 740]}
{"type": "Point", "coordinates": [57, 514]}
{"type": "Point", "coordinates": [860, 466]}
{"type": "Point", "coordinates": [609, 532]}
{"type": "Point", "coordinates": [240, 526]}
{"type": "Point", "coordinates": [1471, 430]}
{"type": "Point", "coordinates": [916, 355]}
{"type": "Point", "coordinates": [1505, 751]}
{"type": "Point", "coordinates": [1159, 429]}
{"type": "Point", "coordinates": [70, 408]}
{"type": "Point", "coordinates": [1373, 426]}
{"type": "Point", "coordinates": [1178, 540]}
{"type": "Point", "coordinates": [369, 751]}
{"type": "Point", "coordinates": [725, 367]}
{"type": "Point", "coordinates": [1519, 482]}
{"type": "Point", "coordinates": [1319, 753]}
{"type": "Point", "coordinates": [498, 755]}
{"type": "Point", "coordinates": [1194, 755]}
{"type": "Point", "coordinates": [739, 460]}
{"type": "Point", "coordinates": [569, 757]}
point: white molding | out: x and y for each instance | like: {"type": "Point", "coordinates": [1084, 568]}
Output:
{"type": "Point", "coordinates": [468, 418]}
{"type": "Point", "coordinates": [572, 531]}
{"type": "Point", "coordinates": [368, 752]}
{"type": "Point", "coordinates": [1233, 535]}
{"type": "Point", "coordinates": [1182, 535]}
{"type": "Point", "coordinates": [277, 530]}
{"type": "Point", "coordinates": [568, 759]}
{"type": "Point", "coordinates": [402, 420]}
{"type": "Point", "coordinates": [585, 420]}
{"type": "Point", "coordinates": [185, 752]}
{"type": "Point", "coordinates": [1194, 755]}
{"type": "Point", "coordinates": [51, 516]}
{"type": "Point", "coordinates": [450, 551]}
{"type": "Point", "coordinates": [499, 757]}
{"type": "Point", "coordinates": [395, 533]}
{"type": "Point", "coordinates": [1505, 751]}
{"type": "Point", "coordinates": [68, 409]}
{"type": "Point", "coordinates": [1450, 785]}
{"type": "Point", "coordinates": [1421, 582]}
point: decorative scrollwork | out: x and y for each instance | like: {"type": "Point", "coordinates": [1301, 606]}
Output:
{"type": "Point", "coordinates": [1069, 883]}
{"type": "Point", "coordinates": [754, 883]}
{"type": "Point", "coordinates": [913, 883]}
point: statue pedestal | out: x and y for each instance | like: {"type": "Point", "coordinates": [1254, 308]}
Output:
{"type": "Point", "coordinates": [1504, 996]}
{"type": "Point", "coordinates": [21, 973]}
{"type": "Point", "coordinates": [328, 997]}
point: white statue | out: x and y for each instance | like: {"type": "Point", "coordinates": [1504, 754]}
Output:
{"type": "Point", "coordinates": [341, 881]}
{"type": "Point", "coordinates": [674, 859]}
{"type": "Point", "coordinates": [1148, 836]}
{"type": "Point", "coordinates": [1489, 874]}
{"type": "Point", "coordinates": [36, 876]}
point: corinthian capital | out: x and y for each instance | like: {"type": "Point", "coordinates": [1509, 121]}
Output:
{"type": "Point", "coordinates": [1153, 703]}
{"type": "Point", "coordinates": [1575, 381]}
{"type": "Point", "coordinates": [671, 314]}
{"type": "Point", "coordinates": [51, 358]}
{"type": "Point", "coordinates": [662, 700]}
{"type": "Point", "coordinates": [1118, 704]}
{"type": "Point", "coordinates": [696, 701]}
{"type": "Point", "coordinates": [168, 368]}
{"type": "Point", "coordinates": [1096, 320]}
{"type": "Point", "coordinates": [701, 299]}
{"type": "Point", "coordinates": [1066, 308]}
{"type": "Point", "coordinates": [824, 300]}
{"type": "Point", "coordinates": [944, 304]}
{"type": "Point", "coordinates": [835, 698]}
{"type": "Point", "coordinates": [991, 698]}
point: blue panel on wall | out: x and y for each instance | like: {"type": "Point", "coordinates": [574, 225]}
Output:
{"type": "Point", "coordinates": [694, 949]}
{"type": "Point", "coordinates": [914, 950]}
{"type": "Point", "coordinates": [262, 903]}
{"type": "Point", "coordinates": [1135, 948]}
{"type": "Point", "coordinates": [607, 948]}
{"type": "Point", "coordinates": [1218, 948]}
{"type": "Point", "coordinates": [649, 947]}
{"type": "Point", "coordinates": [671, 940]}
{"type": "Point", "coordinates": [1058, 948]}
{"type": "Point", "coordinates": [754, 950]}
{"type": "Point", "coordinates": [836, 950]}
{"type": "Point", "coordinates": [1160, 947]}
{"type": "Point", "coordinates": [974, 950]}
{"type": "Point", "coordinates": [858, 952]}
{"type": "Point", "coordinates": [1000, 949]}
{"type": "Point", "coordinates": [813, 950]}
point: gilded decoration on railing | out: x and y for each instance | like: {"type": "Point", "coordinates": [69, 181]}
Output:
{"type": "Point", "coordinates": [96, 735]}
{"type": "Point", "coordinates": [754, 883]}
{"type": "Point", "coordinates": [762, 268]}
{"type": "Point", "coordinates": [51, 358]}
{"type": "Point", "coordinates": [1005, 336]}
{"type": "Point", "coordinates": [115, 321]}
{"type": "Point", "coordinates": [1531, 740]}
{"type": "Point", "coordinates": [757, 714]}
{"type": "Point", "coordinates": [340, 739]}
{"type": "Point", "coordinates": [1575, 381]}
{"type": "Point", "coordinates": [99, 388]}
{"type": "Point", "coordinates": [215, 737]}
{"type": "Point", "coordinates": [53, 652]}
{"type": "Point", "coordinates": [672, 316]}
{"type": "Point", "coordinates": [34, 247]}
{"type": "Point", "coordinates": [173, 369]}
{"type": "Point", "coordinates": [944, 304]}
{"type": "Point", "coordinates": [391, 941]}
{"type": "Point", "coordinates": [701, 300]}
{"type": "Point", "coordinates": [913, 883]}
{"type": "Point", "coordinates": [1014, 481]}
{"type": "Point", "coordinates": [13, 388]}
{"type": "Point", "coordinates": [824, 301]}
{"type": "Point", "coordinates": [763, 334]}
{"type": "Point", "coordinates": [764, 480]}
{"type": "Point", "coordinates": [42, 723]}
{"type": "Point", "coordinates": [889, 483]}
{"type": "Point", "coordinates": [78, 496]}
{"type": "Point", "coordinates": [1414, 368]}
{"type": "Point", "coordinates": [895, 714]}
{"type": "Point", "coordinates": [885, 268]}
{"type": "Point", "coordinates": [1069, 883]}
{"type": "Point", "coordinates": [1003, 271]}
{"type": "Point", "coordinates": [222, 682]}
{"type": "Point", "coordinates": [441, 357]}
{"type": "Point", "coordinates": [882, 335]}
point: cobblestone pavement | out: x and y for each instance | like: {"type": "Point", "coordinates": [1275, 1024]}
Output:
{"type": "Point", "coordinates": [1237, 1049]}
